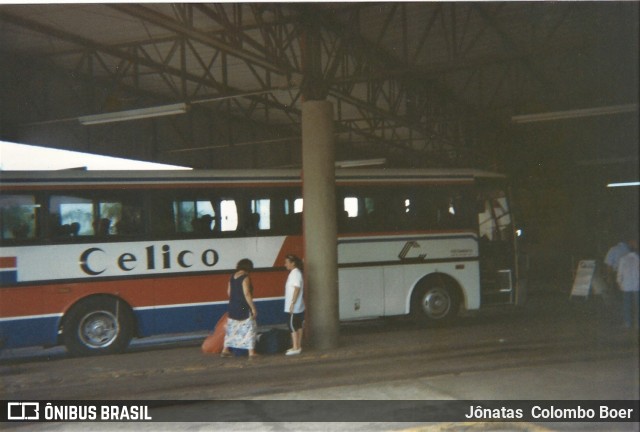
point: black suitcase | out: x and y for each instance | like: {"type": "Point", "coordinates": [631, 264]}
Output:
{"type": "Point", "coordinates": [273, 341]}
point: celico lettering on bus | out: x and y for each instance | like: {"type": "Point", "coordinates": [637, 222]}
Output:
{"type": "Point", "coordinates": [153, 259]}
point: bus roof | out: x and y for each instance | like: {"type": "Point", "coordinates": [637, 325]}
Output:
{"type": "Point", "coordinates": [235, 176]}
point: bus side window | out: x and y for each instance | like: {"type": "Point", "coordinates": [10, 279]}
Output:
{"type": "Point", "coordinates": [448, 212]}
{"type": "Point", "coordinates": [400, 212]}
{"type": "Point", "coordinates": [203, 224]}
{"type": "Point", "coordinates": [108, 215]}
{"type": "Point", "coordinates": [451, 209]}
{"type": "Point", "coordinates": [278, 216]}
{"type": "Point", "coordinates": [494, 217]}
{"type": "Point", "coordinates": [428, 213]}
{"type": "Point", "coordinates": [195, 216]}
{"type": "Point", "coordinates": [375, 213]}
{"type": "Point", "coordinates": [102, 227]}
{"type": "Point", "coordinates": [228, 216]}
{"type": "Point", "coordinates": [261, 211]}
{"type": "Point", "coordinates": [18, 217]}
{"type": "Point", "coordinates": [161, 216]}
{"type": "Point", "coordinates": [130, 221]}
{"type": "Point", "coordinates": [205, 217]}
{"type": "Point", "coordinates": [350, 216]}
{"type": "Point", "coordinates": [293, 215]}
{"type": "Point", "coordinates": [70, 216]}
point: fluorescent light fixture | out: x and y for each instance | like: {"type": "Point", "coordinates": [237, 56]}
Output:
{"type": "Point", "coordinates": [360, 163]}
{"type": "Point", "coordinates": [587, 112]}
{"type": "Point", "coordinates": [135, 114]}
{"type": "Point", "coordinates": [624, 184]}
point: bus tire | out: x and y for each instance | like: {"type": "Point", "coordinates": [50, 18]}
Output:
{"type": "Point", "coordinates": [435, 301]}
{"type": "Point", "coordinates": [98, 325]}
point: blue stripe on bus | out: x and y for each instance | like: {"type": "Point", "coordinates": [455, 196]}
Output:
{"type": "Point", "coordinates": [187, 319]}
{"type": "Point", "coordinates": [43, 330]}
{"type": "Point", "coordinates": [34, 331]}
{"type": "Point", "coordinates": [8, 277]}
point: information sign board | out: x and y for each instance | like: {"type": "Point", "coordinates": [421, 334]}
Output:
{"type": "Point", "coordinates": [584, 278]}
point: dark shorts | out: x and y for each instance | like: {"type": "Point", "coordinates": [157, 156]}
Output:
{"type": "Point", "coordinates": [295, 321]}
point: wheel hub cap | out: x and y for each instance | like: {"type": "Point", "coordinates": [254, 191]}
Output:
{"type": "Point", "coordinates": [99, 329]}
{"type": "Point", "coordinates": [436, 303]}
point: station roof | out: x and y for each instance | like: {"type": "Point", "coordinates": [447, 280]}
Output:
{"type": "Point", "coordinates": [418, 83]}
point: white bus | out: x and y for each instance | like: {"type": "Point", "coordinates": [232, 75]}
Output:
{"type": "Point", "coordinates": [94, 259]}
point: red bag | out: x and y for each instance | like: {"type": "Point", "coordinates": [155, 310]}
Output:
{"type": "Point", "coordinates": [214, 343]}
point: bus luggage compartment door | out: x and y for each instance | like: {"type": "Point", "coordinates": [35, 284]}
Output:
{"type": "Point", "coordinates": [361, 293]}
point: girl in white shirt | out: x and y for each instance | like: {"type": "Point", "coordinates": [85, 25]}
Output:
{"type": "Point", "coordinates": [294, 302]}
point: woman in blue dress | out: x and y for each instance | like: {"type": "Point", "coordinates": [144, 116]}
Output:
{"type": "Point", "coordinates": [241, 325]}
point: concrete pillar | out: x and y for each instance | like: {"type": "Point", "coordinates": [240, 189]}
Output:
{"type": "Point", "coordinates": [320, 227]}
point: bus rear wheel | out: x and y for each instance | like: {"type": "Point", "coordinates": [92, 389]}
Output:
{"type": "Point", "coordinates": [99, 325]}
{"type": "Point", "coordinates": [435, 302]}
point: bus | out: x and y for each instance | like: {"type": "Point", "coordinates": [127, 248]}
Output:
{"type": "Point", "coordinates": [93, 259]}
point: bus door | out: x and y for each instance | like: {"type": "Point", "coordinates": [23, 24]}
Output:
{"type": "Point", "coordinates": [497, 253]}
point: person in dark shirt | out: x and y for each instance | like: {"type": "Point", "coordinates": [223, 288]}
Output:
{"type": "Point", "coordinates": [241, 325]}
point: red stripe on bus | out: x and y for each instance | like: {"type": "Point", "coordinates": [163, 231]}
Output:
{"type": "Point", "coordinates": [8, 262]}
{"type": "Point", "coordinates": [292, 245]}
{"type": "Point", "coordinates": [403, 234]}
{"type": "Point", "coordinates": [30, 300]}
{"type": "Point", "coordinates": [406, 182]}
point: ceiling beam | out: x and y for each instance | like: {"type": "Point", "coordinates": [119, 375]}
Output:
{"type": "Point", "coordinates": [146, 14]}
{"type": "Point", "coordinates": [114, 52]}
{"type": "Point", "coordinates": [514, 48]}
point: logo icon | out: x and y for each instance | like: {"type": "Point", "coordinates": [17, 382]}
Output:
{"type": "Point", "coordinates": [407, 248]}
{"type": "Point", "coordinates": [23, 411]}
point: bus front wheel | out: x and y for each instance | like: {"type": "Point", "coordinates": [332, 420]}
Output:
{"type": "Point", "coordinates": [100, 325]}
{"type": "Point", "coordinates": [435, 302]}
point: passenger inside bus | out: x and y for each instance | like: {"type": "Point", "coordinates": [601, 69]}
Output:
{"type": "Point", "coordinates": [252, 225]}
{"type": "Point", "coordinates": [203, 224]}
{"type": "Point", "coordinates": [101, 227]}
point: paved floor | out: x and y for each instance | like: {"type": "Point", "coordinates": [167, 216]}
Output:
{"type": "Point", "coordinates": [591, 380]}
{"type": "Point", "coordinates": [601, 380]}
{"type": "Point", "coordinates": [598, 378]}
